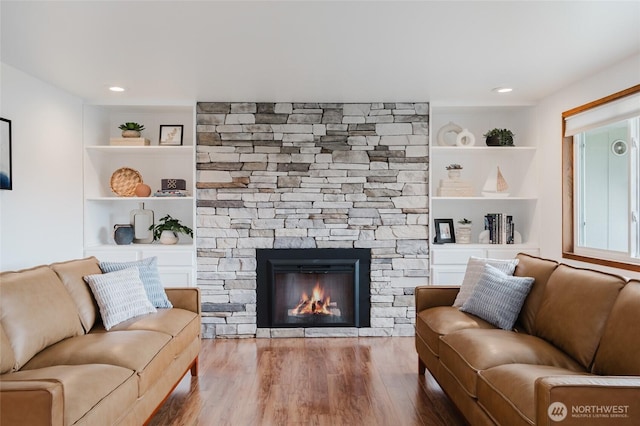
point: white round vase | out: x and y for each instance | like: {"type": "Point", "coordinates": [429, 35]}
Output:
{"type": "Point", "coordinates": [168, 237]}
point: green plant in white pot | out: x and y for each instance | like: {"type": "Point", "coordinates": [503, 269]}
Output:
{"type": "Point", "coordinates": [131, 129]}
{"type": "Point", "coordinates": [168, 229]}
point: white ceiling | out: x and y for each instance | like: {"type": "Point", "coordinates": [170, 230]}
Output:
{"type": "Point", "coordinates": [184, 51]}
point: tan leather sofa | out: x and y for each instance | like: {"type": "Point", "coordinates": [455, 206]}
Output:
{"type": "Point", "coordinates": [573, 358]}
{"type": "Point", "coordinates": [60, 367]}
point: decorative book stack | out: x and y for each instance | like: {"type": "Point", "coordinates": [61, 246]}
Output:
{"type": "Point", "coordinates": [129, 142]}
{"type": "Point", "coordinates": [455, 187]}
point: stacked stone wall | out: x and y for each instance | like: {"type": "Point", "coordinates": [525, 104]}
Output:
{"type": "Point", "coordinates": [310, 175]}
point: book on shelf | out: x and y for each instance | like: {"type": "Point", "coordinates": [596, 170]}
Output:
{"type": "Point", "coordinates": [501, 228]}
{"type": "Point", "coordinates": [171, 193]}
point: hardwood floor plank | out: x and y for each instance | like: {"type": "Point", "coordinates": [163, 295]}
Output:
{"type": "Point", "coordinates": [319, 381]}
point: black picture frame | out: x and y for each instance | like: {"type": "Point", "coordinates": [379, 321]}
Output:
{"type": "Point", "coordinates": [6, 175]}
{"type": "Point", "coordinates": [445, 232]}
{"type": "Point", "coordinates": [171, 134]}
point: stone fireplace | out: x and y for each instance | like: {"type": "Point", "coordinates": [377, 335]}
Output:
{"type": "Point", "coordinates": [313, 288]}
{"type": "Point", "coordinates": [310, 176]}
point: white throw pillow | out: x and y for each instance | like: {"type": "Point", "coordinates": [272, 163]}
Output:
{"type": "Point", "coordinates": [120, 296]}
{"type": "Point", "coordinates": [149, 275]}
{"type": "Point", "coordinates": [475, 269]}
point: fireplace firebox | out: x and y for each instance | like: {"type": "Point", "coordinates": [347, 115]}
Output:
{"type": "Point", "coordinates": [313, 288]}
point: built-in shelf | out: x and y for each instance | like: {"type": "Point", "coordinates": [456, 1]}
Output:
{"type": "Point", "coordinates": [139, 199]}
{"type": "Point", "coordinates": [485, 198]}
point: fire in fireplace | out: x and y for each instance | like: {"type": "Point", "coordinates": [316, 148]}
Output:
{"type": "Point", "coordinates": [313, 287]}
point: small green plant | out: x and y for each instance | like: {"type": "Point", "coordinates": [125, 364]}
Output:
{"type": "Point", "coordinates": [131, 126]}
{"type": "Point", "coordinates": [501, 136]}
{"type": "Point", "coordinates": [464, 221]}
{"type": "Point", "coordinates": [168, 223]}
{"type": "Point", "coordinates": [454, 167]}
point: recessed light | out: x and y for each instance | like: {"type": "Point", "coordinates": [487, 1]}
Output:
{"type": "Point", "coordinates": [116, 89]}
{"type": "Point", "coordinates": [502, 89]}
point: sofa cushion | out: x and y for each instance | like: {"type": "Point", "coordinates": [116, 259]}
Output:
{"type": "Point", "coordinates": [120, 296]}
{"type": "Point", "coordinates": [71, 273]}
{"type": "Point", "coordinates": [539, 269]}
{"type": "Point", "coordinates": [149, 275]}
{"type": "Point", "coordinates": [99, 388]}
{"type": "Point", "coordinates": [7, 358]}
{"type": "Point", "coordinates": [498, 297]}
{"type": "Point", "coordinates": [575, 308]}
{"type": "Point", "coordinates": [442, 320]}
{"type": "Point", "coordinates": [466, 352]}
{"type": "Point", "coordinates": [618, 353]}
{"type": "Point", "coordinates": [138, 350]}
{"type": "Point", "coordinates": [475, 269]}
{"type": "Point", "coordinates": [508, 391]}
{"type": "Point", "coordinates": [36, 311]}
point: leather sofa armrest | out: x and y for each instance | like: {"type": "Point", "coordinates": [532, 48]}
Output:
{"type": "Point", "coordinates": [588, 400]}
{"type": "Point", "coordinates": [184, 298]}
{"type": "Point", "coordinates": [430, 296]}
{"type": "Point", "coordinates": [31, 402]}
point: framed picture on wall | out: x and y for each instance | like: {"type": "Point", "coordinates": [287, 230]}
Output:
{"type": "Point", "coordinates": [6, 179]}
{"type": "Point", "coordinates": [171, 134]}
{"type": "Point", "coordinates": [444, 231]}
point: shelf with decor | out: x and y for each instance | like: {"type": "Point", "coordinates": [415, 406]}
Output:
{"type": "Point", "coordinates": [469, 180]}
{"type": "Point", "coordinates": [120, 182]}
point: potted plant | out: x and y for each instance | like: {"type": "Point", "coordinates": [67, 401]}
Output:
{"type": "Point", "coordinates": [463, 231]}
{"type": "Point", "coordinates": [131, 129]}
{"type": "Point", "coordinates": [168, 229]}
{"type": "Point", "coordinates": [454, 170]}
{"type": "Point", "coordinates": [499, 137]}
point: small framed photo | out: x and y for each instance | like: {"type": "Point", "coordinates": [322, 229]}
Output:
{"type": "Point", "coordinates": [444, 231]}
{"type": "Point", "coordinates": [6, 180]}
{"type": "Point", "coordinates": [171, 134]}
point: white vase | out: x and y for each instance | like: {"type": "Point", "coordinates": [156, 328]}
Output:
{"type": "Point", "coordinates": [454, 174]}
{"type": "Point", "coordinates": [168, 237]}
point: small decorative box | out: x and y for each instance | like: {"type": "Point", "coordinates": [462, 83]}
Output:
{"type": "Point", "coordinates": [171, 184]}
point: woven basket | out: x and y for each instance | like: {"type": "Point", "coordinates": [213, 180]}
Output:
{"type": "Point", "coordinates": [124, 181]}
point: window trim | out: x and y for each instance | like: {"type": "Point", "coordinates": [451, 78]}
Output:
{"type": "Point", "coordinates": [568, 237]}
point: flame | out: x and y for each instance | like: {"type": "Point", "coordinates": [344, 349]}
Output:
{"type": "Point", "coordinates": [317, 304]}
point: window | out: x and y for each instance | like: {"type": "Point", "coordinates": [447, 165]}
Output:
{"type": "Point", "coordinates": [601, 189]}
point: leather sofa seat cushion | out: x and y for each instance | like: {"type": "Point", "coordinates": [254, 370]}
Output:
{"type": "Point", "coordinates": [137, 350]}
{"type": "Point", "coordinates": [539, 269]}
{"type": "Point", "coordinates": [35, 311]}
{"type": "Point", "coordinates": [575, 308]}
{"type": "Point", "coordinates": [182, 325]}
{"type": "Point", "coordinates": [619, 350]}
{"type": "Point", "coordinates": [508, 391]}
{"type": "Point", "coordinates": [435, 322]}
{"type": "Point", "coordinates": [71, 273]}
{"type": "Point", "coordinates": [466, 352]}
{"type": "Point", "coordinates": [102, 388]}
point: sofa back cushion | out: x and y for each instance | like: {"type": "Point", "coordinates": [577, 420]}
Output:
{"type": "Point", "coordinates": [71, 273]}
{"type": "Point", "coordinates": [620, 344]}
{"type": "Point", "coordinates": [36, 311]}
{"type": "Point", "coordinates": [7, 358]}
{"type": "Point", "coordinates": [574, 310]}
{"type": "Point", "coordinates": [539, 269]}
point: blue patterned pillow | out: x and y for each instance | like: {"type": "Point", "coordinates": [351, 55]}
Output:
{"type": "Point", "coordinates": [120, 296]}
{"type": "Point", "coordinates": [148, 270]}
{"type": "Point", "coordinates": [498, 297]}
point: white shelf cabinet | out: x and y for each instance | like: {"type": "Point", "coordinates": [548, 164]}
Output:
{"type": "Point", "coordinates": [103, 209]}
{"type": "Point", "coordinates": [518, 166]}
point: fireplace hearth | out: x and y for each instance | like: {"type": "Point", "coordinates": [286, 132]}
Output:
{"type": "Point", "coordinates": [313, 288]}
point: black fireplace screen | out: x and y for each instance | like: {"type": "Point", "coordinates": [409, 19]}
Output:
{"type": "Point", "coordinates": [313, 288]}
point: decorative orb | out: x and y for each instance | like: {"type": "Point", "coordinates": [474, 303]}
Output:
{"type": "Point", "coordinates": [142, 190]}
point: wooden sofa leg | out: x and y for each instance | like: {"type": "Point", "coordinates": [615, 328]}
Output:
{"type": "Point", "coordinates": [194, 367]}
{"type": "Point", "coordinates": [421, 367]}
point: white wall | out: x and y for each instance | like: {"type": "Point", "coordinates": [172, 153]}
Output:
{"type": "Point", "coordinates": [614, 79]}
{"type": "Point", "coordinates": [41, 218]}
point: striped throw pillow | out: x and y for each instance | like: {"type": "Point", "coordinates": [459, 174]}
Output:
{"type": "Point", "coordinates": [475, 269]}
{"type": "Point", "coordinates": [148, 270]}
{"type": "Point", "coordinates": [120, 296]}
{"type": "Point", "coordinates": [498, 297]}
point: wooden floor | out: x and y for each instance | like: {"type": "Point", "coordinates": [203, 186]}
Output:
{"type": "Point", "coordinates": [319, 381]}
